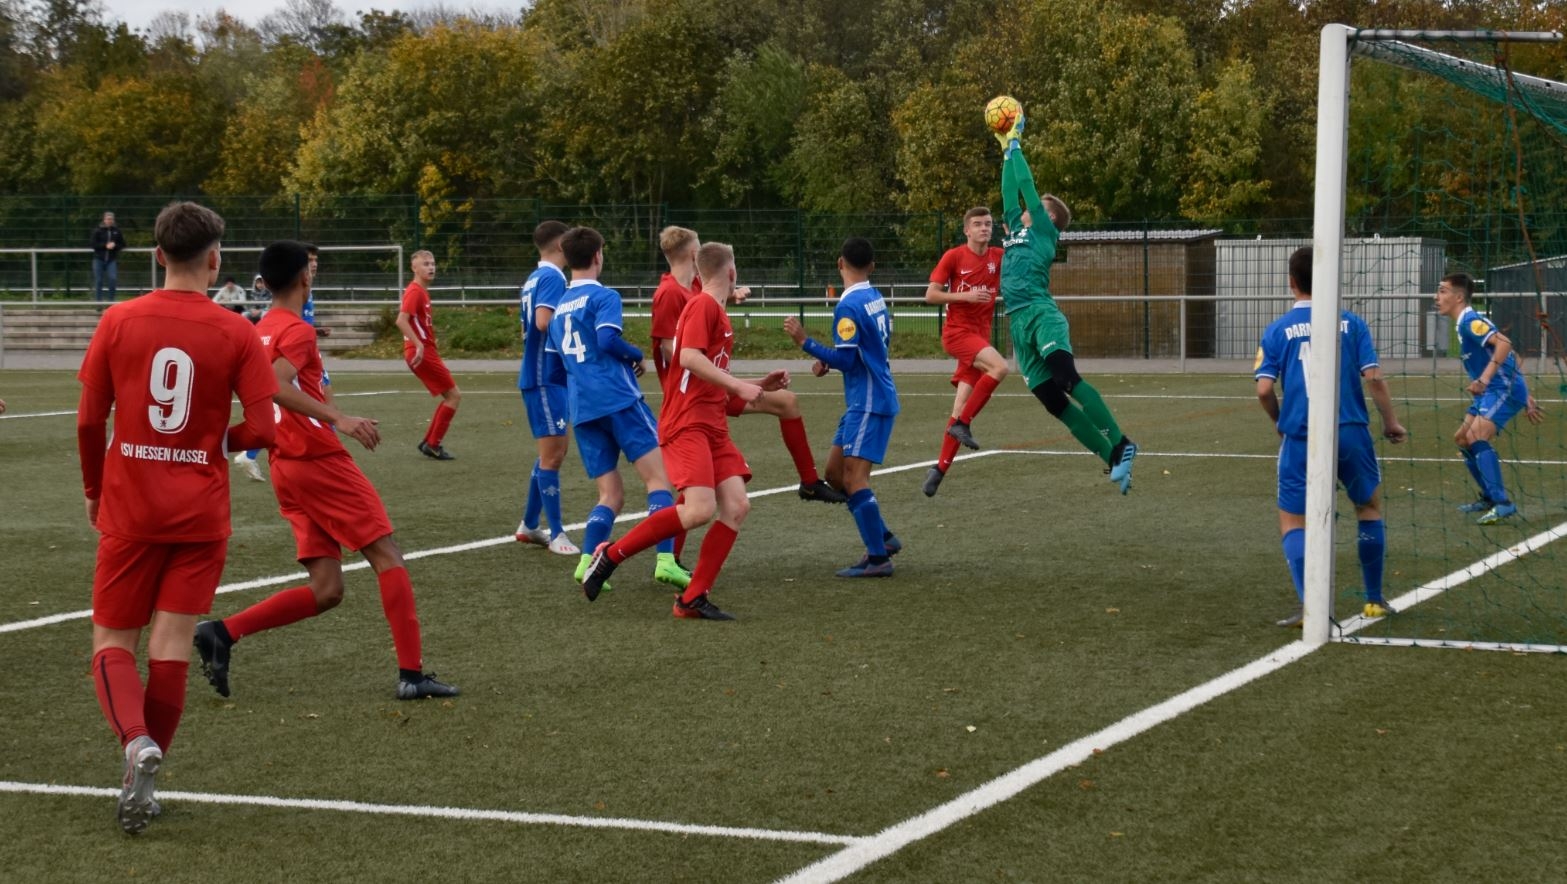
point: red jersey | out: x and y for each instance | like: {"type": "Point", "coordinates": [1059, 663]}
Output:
{"type": "Point", "coordinates": [416, 303]}
{"type": "Point", "coordinates": [173, 363]}
{"type": "Point", "coordinates": [285, 335]}
{"type": "Point", "coordinates": [690, 401]}
{"type": "Point", "coordinates": [669, 299]}
{"type": "Point", "coordinates": [960, 270]}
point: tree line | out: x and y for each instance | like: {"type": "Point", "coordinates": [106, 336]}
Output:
{"type": "Point", "coordinates": [1199, 110]}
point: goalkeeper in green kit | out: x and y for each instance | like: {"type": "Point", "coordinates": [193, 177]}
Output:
{"type": "Point", "coordinates": [1039, 329]}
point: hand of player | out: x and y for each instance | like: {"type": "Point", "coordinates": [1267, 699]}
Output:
{"type": "Point", "coordinates": [1394, 432]}
{"type": "Point", "coordinates": [1476, 386]}
{"type": "Point", "coordinates": [92, 511]}
{"type": "Point", "coordinates": [748, 392]}
{"type": "Point", "coordinates": [741, 294]}
{"type": "Point", "coordinates": [362, 429]}
{"type": "Point", "coordinates": [982, 295]}
{"type": "Point", "coordinates": [1532, 411]}
{"type": "Point", "coordinates": [819, 368]}
{"type": "Point", "coordinates": [418, 356]}
{"type": "Point", "coordinates": [775, 380]}
{"type": "Point", "coordinates": [794, 330]}
{"type": "Point", "coordinates": [639, 368]}
{"type": "Point", "coordinates": [2, 406]}
{"type": "Point", "coordinates": [322, 332]}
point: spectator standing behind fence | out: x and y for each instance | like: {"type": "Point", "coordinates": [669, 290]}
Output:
{"type": "Point", "coordinates": [107, 243]}
{"type": "Point", "coordinates": [260, 300]}
{"type": "Point", "coordinates": [231, 296]}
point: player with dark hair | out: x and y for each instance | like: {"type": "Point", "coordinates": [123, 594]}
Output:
{"type": "Point", "coordinates": [605, 404]}
{"type": "Point", "coordinates": [704, 465]}
{"type": "Point", "coordinates": [169, 364]}
{"type": "Point", "coordinates": [542, 380]}
{"type": "Point", "coordinates": [416, 320]}
{"type": "Point", "coordinates": [1499, 390]}
{"type": "Point", "coordinates": [322, 495]}
{"type": "Point", "coordinates": [1282, 358]}
{"type": "Point", "coordinates": [1039, 328]}
{"type": "Point", "coordinates": [967, 279]}
{"type": "Point", "coordinates": [861, 330]}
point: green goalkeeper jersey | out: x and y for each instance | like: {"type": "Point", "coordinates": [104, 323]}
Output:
{"type": "Point", "coordinates": [1028, 251]}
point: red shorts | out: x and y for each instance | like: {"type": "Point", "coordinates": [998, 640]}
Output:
{"type": "Point", "coordinates": [735, 406]}
{"type": "Point", "coordinates": [133, 579]}
{"type": "Point", "coordinates": [430, 371]}
{"type": "Point", "coordinates": [695, 458]}
{"type": "Point", "coordinates": [330, 504]}
{"type": "Point", "coordinates": [963, 345]}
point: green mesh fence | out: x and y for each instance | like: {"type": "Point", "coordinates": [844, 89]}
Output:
{"type": "Point", "coordinates": [1455, 164]}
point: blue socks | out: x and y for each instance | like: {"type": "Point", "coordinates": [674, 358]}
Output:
{"type": "Point", "coordinates": [600, 521]}
{"type": "Point", "coordinates": [1372, 544]}
{"type": "Point", "coordinates": [530, 512]}
{"type": "Point", "coordinates": [252, 453]}
{"type": "Point", "coordinates": [1489, 467]}
{"type": "Point", "coordinates": [657, 500]}
{"type": "Point", "coordinates": [1474, 469]}
{"type": "Point", "coordinates": [548, 483]}
{"type": "Point", "coordinates": [1294, 544]}
{"type": "Point", "coordinates": [867, 516]}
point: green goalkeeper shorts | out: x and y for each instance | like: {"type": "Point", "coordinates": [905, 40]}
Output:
{"type": "Point", "coordinates": [1038, 331]}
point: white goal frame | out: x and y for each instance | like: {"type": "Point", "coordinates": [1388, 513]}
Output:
{"type": "Point", "coordinates": [1322, 387]}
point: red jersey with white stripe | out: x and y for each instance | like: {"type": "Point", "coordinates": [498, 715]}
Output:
{"type": "Point", "coordinates": [689, 401]}
{"type": "Point", "coordinates": [960, 269]}
{"type": "Point", "coordinates": [174, 362]}
{"type": "Point", "coordinates": [299, 437]}
{"type": "Point", "coordinates": [669, 300]}
{"type": "Point", "coordinates": [416, 303]}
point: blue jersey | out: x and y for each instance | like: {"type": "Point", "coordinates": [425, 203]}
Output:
{"type": "Point", "coordinates": [1475, 332]}
{"type": "Point", "coordinates": [598, 383]}
{"type": "Point", "coordinates": [1286, 352]}
{"type": "Point", "coordinates": [860, 322]}
{"type": "Point", "coordinates": [308, 312]}
{"type": "Point", "coordinates": [540, 368]}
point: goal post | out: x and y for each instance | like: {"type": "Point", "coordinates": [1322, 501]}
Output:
{"type": "Point", "coordinates": [1541, 99]}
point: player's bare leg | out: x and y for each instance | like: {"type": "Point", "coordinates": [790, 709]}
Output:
{"type": "Point", "coordinates": [661, 526]}
{"type": "Point", "coordinates": [966, 405]}
{"type": "Point", "coordinates": [785, 405]}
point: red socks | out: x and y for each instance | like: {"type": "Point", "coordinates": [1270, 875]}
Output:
{"type": "Point", "coordinates": [799, 446]}
{"type": "Point", "coordinates": [439, 424]}
{"type": "Point", "coordinates": [661, 525]}
{"type": "Point", "coordinates": [165, 701]}
{"type": "Point", "coordinates": [281, 609]}
{"type": "Point", "coordinates": [977, 399]}
{"type": "Point", "coordinates": [397, 601]}
{"type": "Point", "coordinates": [120, 694]}
{"type": "Point", "coordinates": [949, 448]}
{"type": "Point", "coordinates": [716, 545]}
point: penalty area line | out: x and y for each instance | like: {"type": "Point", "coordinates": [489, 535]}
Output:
{"type": "Point", "coordinates": [448, 813]}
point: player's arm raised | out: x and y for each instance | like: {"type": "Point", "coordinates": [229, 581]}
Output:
{"type": "Point", "coordinates": [829, 357]}
{"type": "Point", "coordinates": [295, 400]}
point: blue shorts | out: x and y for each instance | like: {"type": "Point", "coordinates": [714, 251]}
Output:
{"type": "Point", "coordinates": [1499, 406]}
{"type": "Point", "coordinates": [864, 435]}
{"type": "Point", "coordinates": [631, 430]}
{"type": "Point", "coordinates": [1358, 470]}
{"type": "Point", "coordinates": [547, 412]}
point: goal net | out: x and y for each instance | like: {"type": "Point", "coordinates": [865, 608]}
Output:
{"type": "Point", "coordinates": [1447, 153]}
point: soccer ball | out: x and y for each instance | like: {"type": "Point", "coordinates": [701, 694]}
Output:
{"type": "Point", "coordinates": [1001, 112]}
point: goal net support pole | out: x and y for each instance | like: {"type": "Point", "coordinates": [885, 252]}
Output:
{"type": "Point", "coordinates": [1322, 370]}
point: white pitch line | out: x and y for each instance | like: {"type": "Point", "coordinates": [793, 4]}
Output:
{"type": "Point", "coordinates": [298, 576]}
{"type": "Point", "coordinates": [449, 813]}
{"type": "Point", "coordinates": [866, 851]}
